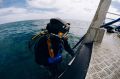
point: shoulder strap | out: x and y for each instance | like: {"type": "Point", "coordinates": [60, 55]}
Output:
{"type": "Point", "coordinates": [50, 49]}
{"type": "Point", "coordinates": [39, 34]}
{"type": "Point", "coordinates": [35, 39]}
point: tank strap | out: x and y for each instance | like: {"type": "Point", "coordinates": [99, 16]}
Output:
{"type": "Point", "coordinates": [50, 50]}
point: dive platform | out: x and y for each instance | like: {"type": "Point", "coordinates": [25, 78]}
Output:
{"type": "Point", "coordinates": [105, 58]}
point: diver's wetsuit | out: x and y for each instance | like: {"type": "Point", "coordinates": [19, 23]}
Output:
{"type": "Point", "coordinates": [41, 51]}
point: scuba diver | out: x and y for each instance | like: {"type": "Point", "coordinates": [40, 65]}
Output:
{"type": "Point", "coordinates": [51, 43]}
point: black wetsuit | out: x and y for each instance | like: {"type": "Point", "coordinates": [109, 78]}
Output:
{"type": "Point", "coordinates": [41, 49]}
{"type": "Point", "coordinates": [41, 52]}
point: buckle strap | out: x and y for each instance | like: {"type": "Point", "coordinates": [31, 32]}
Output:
{"type": "Point", "coordinates": [50, 50]}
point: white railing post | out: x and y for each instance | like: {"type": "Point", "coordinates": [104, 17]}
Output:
{"type": "Point", "coordinates": [94, 30]}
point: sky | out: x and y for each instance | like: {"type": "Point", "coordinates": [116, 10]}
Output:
{"type": "Point", "coordinates": [114, 8]}
{"type": "Point", "coordinates": [17, 10]}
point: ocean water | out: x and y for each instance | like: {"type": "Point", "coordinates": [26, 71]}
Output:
{"type": "Point", "coordinates": [16, 60]}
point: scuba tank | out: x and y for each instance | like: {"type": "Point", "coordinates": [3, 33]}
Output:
{"type": "Point", "coordinates": [36, 38]}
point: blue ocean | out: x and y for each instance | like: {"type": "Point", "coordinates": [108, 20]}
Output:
{"type": "Point", "coordinates": [17, 60]}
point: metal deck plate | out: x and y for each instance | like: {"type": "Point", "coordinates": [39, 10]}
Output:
{"type": "Point", "coordinates": [105, 59]}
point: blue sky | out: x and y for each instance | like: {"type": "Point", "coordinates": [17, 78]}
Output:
{"type": "Point", "coordinates": [15, 10]}
{"type": "Point", "coordinates": [17, 3]}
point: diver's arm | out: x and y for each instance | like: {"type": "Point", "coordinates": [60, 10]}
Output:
{"type": "Point", "coordinates": [68, 48]}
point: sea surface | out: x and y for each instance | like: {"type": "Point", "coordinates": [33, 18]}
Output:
{"type": "Point", "coordinates": [17, 60]}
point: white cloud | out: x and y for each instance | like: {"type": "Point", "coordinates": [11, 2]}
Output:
{"type": "Point", "coordinates": [24, 16]}
{"type": "Point", "coordinates": [116, 0]}
{"type": "Point", "coordinates": [67, 9]}
{"type": "Point", "coordinates": [113, 9]}
{"type": "Point", "coordinates": [65, 4]}
{"type": "Point", "coordinates": [12, 10]}
{"type": "Point", "coordinates": [1, 1]}
{"type": "Point", "coordinates": [78, 9]}
{"type": "Point", "coordinates": [41, 3]}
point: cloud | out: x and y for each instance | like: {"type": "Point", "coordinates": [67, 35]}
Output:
{"type": "Point", "coordinates": [114, 8]}
{"type": "Point", "coordinates": [116, 4]}
{"type": "Point", "coordinates": [20, 17]}
{"type": "Point", "coordinates": [73, 8]}
{"type": "Point", "coordinates": [63, 4]}
{"type": "Point", "coordinates": [1, 1]}
{"type": "Point", "coordinates": [41, 3]}
{"type": "Point", "coordinates": [12, 10]}
{"type": "Point", "coordinates": [66, 9]}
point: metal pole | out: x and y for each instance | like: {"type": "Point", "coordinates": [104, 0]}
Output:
{"type": "Point", "coordinates": [113, 13]}
{"type": "Point", "coordinates": [93, 31]}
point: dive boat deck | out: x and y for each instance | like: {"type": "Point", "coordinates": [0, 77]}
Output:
{"type": "Point", "coordinates": [105, 59]}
